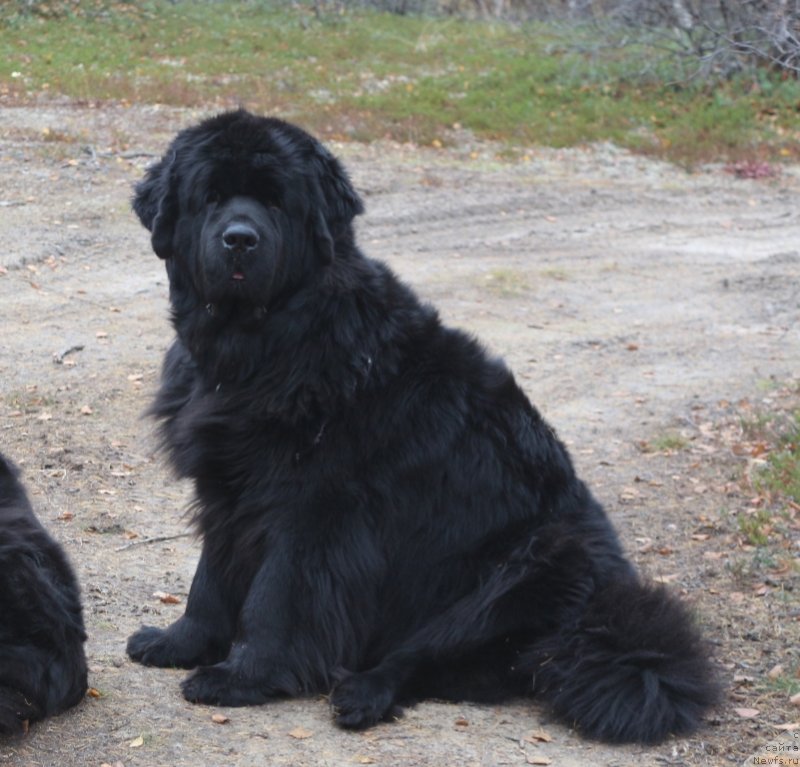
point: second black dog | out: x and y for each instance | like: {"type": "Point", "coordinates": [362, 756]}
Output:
{"type": "Point", "coordinates": [42, 662]}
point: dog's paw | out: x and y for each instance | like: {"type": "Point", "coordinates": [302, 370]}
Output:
{"type": "Point", "coordinates": [362, 700]}
{"type": "Point", "coordinates": [151, 646]}
{"type": "Point", "coordinates": [185, 644]}
{"type": "Point", "coordinates": [220, 685]}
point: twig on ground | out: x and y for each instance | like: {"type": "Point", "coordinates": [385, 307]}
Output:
{"type": "Point", "coordinates": [59, 358]}
{"type": "Point", "coordinates": [153, 539]}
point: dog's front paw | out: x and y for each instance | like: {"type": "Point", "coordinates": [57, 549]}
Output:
{"type": "Point", "coordinates": [362, 700]}
{"type": "Point", "coordinates": [151, 646]}
{"type": "Point", "coordinates": [185, 644]}
{"type": "Point", "coordinates": [221, 685]}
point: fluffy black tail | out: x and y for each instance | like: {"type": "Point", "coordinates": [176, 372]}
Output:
{"type": "Point", "coordinates": [632, 668]}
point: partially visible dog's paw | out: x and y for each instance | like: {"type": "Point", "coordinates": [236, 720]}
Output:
{"type": "Point", "coordinates": [185, 644]}
{"type": "Point", "coordinates": [220, 685]}
{"type": "Point", "coordinates": [362, 700]}
{"type": "Point", "coordinates": [151, 646]}
{"type": "Point", "coordinates": [16, 712]}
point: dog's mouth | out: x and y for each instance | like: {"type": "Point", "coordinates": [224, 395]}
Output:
{"type": "Point", "coordinates": [238, 275]}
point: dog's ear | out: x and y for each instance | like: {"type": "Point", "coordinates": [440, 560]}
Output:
{"type": "Point", "coordinates": [155, 203]}
{"type": "Point", "coordinates": [338, 202]}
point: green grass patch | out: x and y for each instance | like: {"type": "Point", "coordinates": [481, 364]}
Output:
{"type": "Point", "coordinates": [781, 475]}
{"type": "Point", "coordinates": [28, 401]}
{"type": "Point", "coordinates": [365, 75]}
{"type": "Point", "coordinates": [772, 438]}
{"type": "Point", "coordinates": [505, 283]}
{"type": "Point", "coordinates": [786, 686]}
{"type": "Point", "coordinates": [669, 442]}
{"type": "Point", "coordinates": [756, 527]}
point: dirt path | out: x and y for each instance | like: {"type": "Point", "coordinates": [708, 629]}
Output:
{"type": "Point", "coordinates": [633, 300]}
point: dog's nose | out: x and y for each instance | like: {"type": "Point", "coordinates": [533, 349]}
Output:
{"type": "Point", "coordinates": [239, 237]}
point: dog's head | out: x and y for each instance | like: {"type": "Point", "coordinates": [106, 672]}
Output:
{"type": "Point", "coordinates": [241, 207]}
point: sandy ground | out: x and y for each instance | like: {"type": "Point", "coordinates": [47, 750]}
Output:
{"type": "Point", "coordinates": [636, 303]}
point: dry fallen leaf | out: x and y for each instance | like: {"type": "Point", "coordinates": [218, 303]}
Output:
{"type": "Point", "coordinates": [775, 672]}
{"type": "Point", "coordinates": [167, 599]}
{"type": "Point", "coordinates": [220, 719]}
{"type": "Point", "coordinates": [746, 713]}
{"type": "Point", "coordinates": [93, 692]}
{"type": "Point", "coordinates": [795, 699]}
{"type": "Point", "coordinates": [136, 742]}
{"type": "Point", "coordinates": [539, 760]}
{"type": "Point", "coordinates": [665, 551]}
{"type": "Point", "coordinates": [461, 722]}
{"type": "Point", "coordinates": [365, 760]}
{"type": "Point", "coordinates": [301, 733]}
{"type": "Point", "coordinates": [539, 736]}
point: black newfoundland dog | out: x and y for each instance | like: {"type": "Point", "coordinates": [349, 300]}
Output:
{"type": "Point", "coordinates": [42, 663]}
{"type": "Point", "coordinates": [384, 515]}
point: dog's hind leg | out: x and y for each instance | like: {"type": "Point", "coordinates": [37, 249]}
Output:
{"type": "Point", "coordinates": [468, 651]}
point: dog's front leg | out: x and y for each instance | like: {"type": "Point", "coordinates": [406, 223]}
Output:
{"type": "Point", "coordinates": [260, 665]}
{"type": "Point", "coordinates": [202, 635]}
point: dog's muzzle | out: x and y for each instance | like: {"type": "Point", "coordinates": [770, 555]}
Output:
{"type": "Point", "coordinates": [240, 238]}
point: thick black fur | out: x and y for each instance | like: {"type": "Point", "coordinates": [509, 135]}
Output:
{"type": "Point", "coordinates": [42, 663]}
{"type": "Point", "coordinates": [384, 515]}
